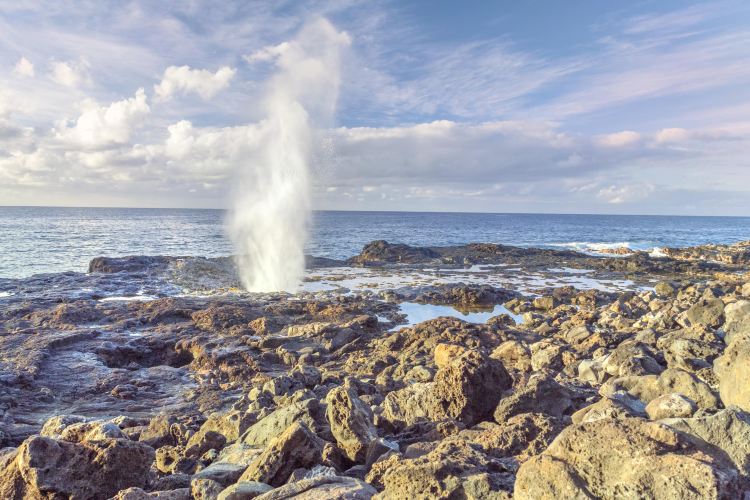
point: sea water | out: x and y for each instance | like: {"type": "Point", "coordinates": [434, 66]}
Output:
{"type": "Point", "coordinates": [43, 240]}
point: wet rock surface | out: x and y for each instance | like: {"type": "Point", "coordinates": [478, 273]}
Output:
{"type": "Point", "coordinates": [592, 377]}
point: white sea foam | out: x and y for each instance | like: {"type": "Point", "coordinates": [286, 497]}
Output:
{"type": "Point", "coordinates": [591, 247]}
{"type": "Point", "coordinates": [269, 218]}
{"type": "Point", "coordinates": [132, 298]}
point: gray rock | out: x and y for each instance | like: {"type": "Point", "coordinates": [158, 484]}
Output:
{"type": "Point", "coordinates": [244, 490]}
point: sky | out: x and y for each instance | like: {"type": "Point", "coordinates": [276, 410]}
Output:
{"type": "Point", "coordinates": [586, 106]}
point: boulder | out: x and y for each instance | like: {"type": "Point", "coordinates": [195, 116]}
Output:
{"type": "Point", "coordinates": [159, 431]}
{"type": "Point", "coordinates": [540, 395]}
{"type": "Point", "coordinates": [628, 458]}
{"type": "Point", "coordinates": [350, 421]}
{"type": "Point", "coordinates": [244, 490]}
{"type": "Point", "coordinates": [135, 493]}
{"type": "Point", "coordinates": [296, 447]}
{"type": "Point", "coordinates": [727, 430]}
{"type": "Point", "coordinates": [521, 436]}
{"type": "Point", "coordinates": [54, 426]}
{"type": "Point", "coordinates": [672, 380]}
{"type": "Point", "coordinates": [737, 323]}
{"type": "Point", "coordinates": [665, 289]}
{"type": "Point", "coordinates": [670, 406]}
{"type": "Point", "coordinates": [321, 487]}
{"type": "Point", "coordinates": [231, 424]}
{"type": "Point", "coordinates": [445, 353]}
{"type": "Point", "coordinates": [617, 406]}
{"type": "Point", "coordinates": [467, 390]}
{"type": "Point", "coordinates": [204, 489]}
{"type": "Point", "coordinates": [43, 467]}
{"type": "Point", "coordinates": [221, 472]}
{"type": "Point", "coordinates": [309, 412]}
{"type": "Point", "coordinates": [454, 469]}
{"type": "Point", "coordinates": [705, 314]}
{"type": "Point", "coordinates": [733, 371]}
{"type": "Point", "coordinates": [200, 442]}
{"type": "Point", "coordinates": [513, 354]}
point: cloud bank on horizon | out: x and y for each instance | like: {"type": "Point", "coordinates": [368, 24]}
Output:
{"type": "Point", "coordinates": [548, 106]}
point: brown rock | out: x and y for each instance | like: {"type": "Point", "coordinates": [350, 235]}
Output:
{"type": "Point", "coordinates": [43, 467]}
{"type": "Point", "coordinates": [295, 448]}
{"type": "Point", "coordinates": [629, 458]}
{"type": "Point", "coordinates": [351, 422]}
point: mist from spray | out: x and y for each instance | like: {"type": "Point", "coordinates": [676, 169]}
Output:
{"type": "Point", "coordinates": [270, 212]}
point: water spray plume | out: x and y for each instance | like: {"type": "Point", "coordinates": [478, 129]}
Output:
{"type": "Point", "coordinates": [271, 207]}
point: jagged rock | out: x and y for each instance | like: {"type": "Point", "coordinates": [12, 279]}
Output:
{"type": "Point", "coordinates": [448, 471]}
{"type": "Point", "coordinates": [469, 388]}
{"type": "Point", "coordinates": [705, 314]}
{"type": "Point", "coordinates": [231, 425]}
{"type": "Point", "coordinates": [172, 459]}
{"type": "Point", "coordinates": [737, 324]}
{"type": "Point", "coordinates": [546, 355]}
{"type": "Point", "coordinates": [296, 447]}
{"type": "Point", "coordinates": [546, 303]}
{"type": "Point", "coordinates": [308, 375]}
{"type": "Point", "coordinates": [410, 404]}
{"type": "Point", "coordinates": [43, 467]}
{"type": "Point", "coordinates": [728, 430]}
{"type": "Point", "coordinates": [201, 442]}
{"type": "Point", "coordinates": [91, 431]}
{"type": "Point", "coordinates": [733, 371]}
{"type": "Point", "coordinates": [649, 387]}
{"type": "Point", "coordinates": [380, 252]}
{"type": "Point", "coordinates": [159, 431]}
{"type": "Point", "coordinates": [262, 432]}
{"type": "Point", "coordinates": [462, 390]}
{"type": "Point", "coordinates": [205, 489]}
{"type": "Point", "coordinates": [244, 490]}
{"type": "Point", "coordinates": [631, 358]}
{"type": "Point", "coordinates": [54, 426]}
{"type": "Point", "coordinates": [540, 395]}
{"type": "Point", "coordinates": [139, 494]}
{"type": "Point", "coordinates": [445, 354]}
{"type": "Point", "coordinates": [628, 458]}
{"type": "Point", "coordinates": [377, 448]}
{"type": "Point", "coordinates": [521, 436]}
{"type": "Point", "coordinates": [350, 421]}
{"type": "Point", "coordinates": [617, 406]}
{"type": "Point", "coordinates": [513, 354]}
{"type": "Point", "coordinates": [321, 487]}
{"type": "Point", "coordinates": [670, 406]}
{"type": "Point", "coordinates": [223, 473]}
{"type": "Point", "coordinates": [665, 289]}
{"type": "Point", "coordinates": [238, 454]}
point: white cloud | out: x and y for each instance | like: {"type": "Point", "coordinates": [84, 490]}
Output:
{"type": "Point", "coordinates": [268, 53]}
{"type": "Point", "coordinates": [675, 134]}
{"type": "Point", "coordinates": [24, 67]}
{"type": "Point", "coordinates": [184, 80]}
{"type": "Point", "coordinates": [100, 126]}
{"type": "Point", "coordinates": [619, 139]}
{"type": "Point", "coordinates": [71, 73]}
{"type": "Point", "coordinates": [617, 194]}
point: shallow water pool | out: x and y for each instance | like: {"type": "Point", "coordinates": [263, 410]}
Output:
{"type": "Point", "coordinates": [416, 313]}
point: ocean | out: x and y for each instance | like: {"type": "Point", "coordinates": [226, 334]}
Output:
{"type": "Point", "coordinates": [48, 239]}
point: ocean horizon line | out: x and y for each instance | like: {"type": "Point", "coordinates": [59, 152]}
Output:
{"type": "Point", "coordinates": [427, 212]}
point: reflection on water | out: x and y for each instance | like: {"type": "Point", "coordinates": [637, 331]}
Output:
{"type": "Point", "coordinates": [416, 313]}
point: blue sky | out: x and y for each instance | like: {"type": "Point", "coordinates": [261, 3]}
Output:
{"type": "Point", "coordinates": [534, 106]}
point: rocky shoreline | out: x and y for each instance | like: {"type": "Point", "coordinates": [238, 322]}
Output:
{"type": "Point", "coordinates": [622, 376]}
